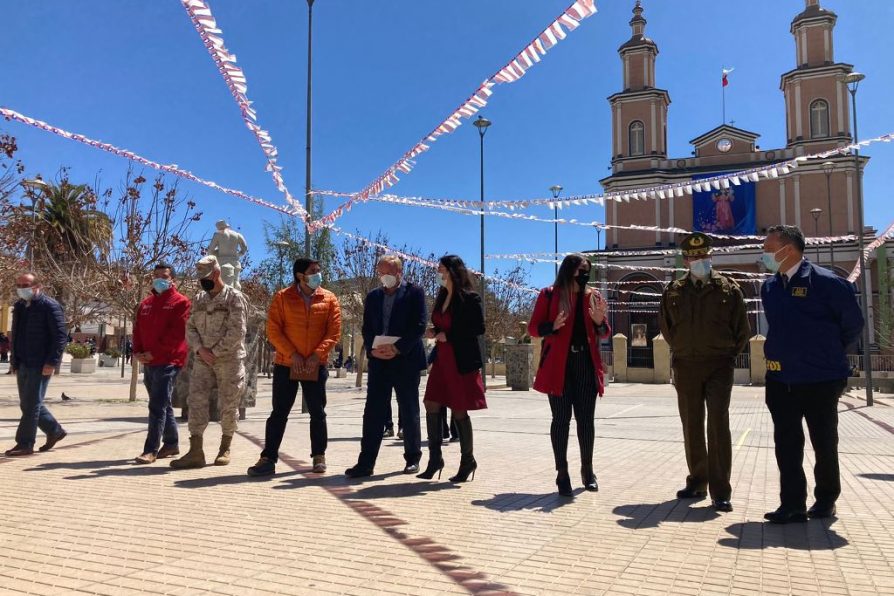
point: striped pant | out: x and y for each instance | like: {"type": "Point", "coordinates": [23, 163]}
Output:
{"type": "Point", "coordinates": [579, 397]}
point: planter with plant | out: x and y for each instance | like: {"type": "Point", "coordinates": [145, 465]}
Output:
{"type": "Point", "coordinates": [81, 362]}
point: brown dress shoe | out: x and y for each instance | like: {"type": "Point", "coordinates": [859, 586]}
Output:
{"type": "Point", "coordinates": [52, 440]}
{"type": "Point", "coordinates": [19, 450]}
{"type": "Point", "coordinates": [168, 451]}
{"type": "Point", "coordinates": [146, 458]}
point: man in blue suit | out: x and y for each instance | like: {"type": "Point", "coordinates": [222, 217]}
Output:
{"type": "Point", "coordinates": [397, 309]}
{"type": "Point", "coordinates": [813, 318]}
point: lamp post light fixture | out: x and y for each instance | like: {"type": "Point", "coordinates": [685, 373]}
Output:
{"type": "Point", "coordinates": [281, 247]}
{"type": "Point", "coordinates": [482, 124]}
{"type": "Point", "coordinates": [308, 197]}
{"type": "Point", "coordinates": [816, 215]}
{"type": "Point", "coordinates": [828, 168]}
{"type": "Point", "coordinates": [852, 80]}
{"type": "Point", "coordinates": [556, 189]}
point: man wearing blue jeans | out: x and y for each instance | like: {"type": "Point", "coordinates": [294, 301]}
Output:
{"type": "Point", "coordinates": [159, 344]}
{"type": "Point", "coordinates": [38, 340]}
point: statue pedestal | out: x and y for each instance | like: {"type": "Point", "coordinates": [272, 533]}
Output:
{"type": "Point", "coordinates": [519, 366]}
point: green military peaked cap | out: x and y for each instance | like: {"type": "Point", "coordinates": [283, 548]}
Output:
{"type": "Point", "coordinates": [696, 245]}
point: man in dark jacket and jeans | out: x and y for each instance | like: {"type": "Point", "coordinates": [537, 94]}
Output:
{"type": "Point", "coordinates": [38, 340]}
{"type": "Point", "coordinates": [813, 317]}
{"type": "Point", "coordinates": [159, 344]}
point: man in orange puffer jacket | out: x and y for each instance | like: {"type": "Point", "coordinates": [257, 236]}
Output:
{"type": "Point", "coordinates": [303, 324]}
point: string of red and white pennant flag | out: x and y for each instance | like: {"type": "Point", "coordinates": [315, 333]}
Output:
{"type": "Point", "coordinates": [513, 70]}
{"type": "Point", "coordinates": [170, 168]}
{"type": "Point", "coordinates": [888, 234]}
{"type": "Point", "coordinates": [665, 191]}
{"type": "Point", "coordinates": [212, 37]}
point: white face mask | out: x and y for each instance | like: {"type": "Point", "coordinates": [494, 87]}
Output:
{"type": "Point", "coordinates": [700, 269]}
{"type": "Point", "coordinates": [443, 280]}
{"type": "Point", "coordinates": [25, 293]}
{"type": "Point", "coordinates": [389, 281]}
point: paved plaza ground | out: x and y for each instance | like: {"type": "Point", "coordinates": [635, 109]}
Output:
{"type": "Point", "coordinates": [83, 520]}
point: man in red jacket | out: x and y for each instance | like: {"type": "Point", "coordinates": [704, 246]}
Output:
{"type": "Point", "coordinates": [159, 344]}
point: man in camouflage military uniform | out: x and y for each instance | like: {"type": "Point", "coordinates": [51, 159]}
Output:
{"type": "Point", "coordinates": [704, 320]}
{"type": "Point", "coordinates": [216, 336]}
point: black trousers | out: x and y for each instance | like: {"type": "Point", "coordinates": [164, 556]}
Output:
{"type": "Point", "coordinates": [579, 397]}
{"type": "Point", "coordinates": [385, 377]}
{"type": "Point", "coordinates": [285, 390]}
{"type": "Point", "coordinates": [817, 403]}
{"type": "Point", "coordinates": [701, 385]}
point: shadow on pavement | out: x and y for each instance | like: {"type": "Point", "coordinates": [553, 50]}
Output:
{"type": "Point", "coordinates": [543, 503]}
{"type": "Point", "coordinates": [405, 489]}
{"type": "Point", "coordinates": [650, 515]}
{"type": "Point", "coordinates": [133, 470]}
{"type": "Point", "coordinates": [812, 535]}
{"type": "Point", "coordinates": [330, 480]}
{"type": "Point", "coordinates": [883, 477]}
{"type": "Point", "coordinates": [212, 481]}
{"type": "Point", "coordinates": [80, 465]}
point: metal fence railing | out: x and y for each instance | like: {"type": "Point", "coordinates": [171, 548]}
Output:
{"type": "Point", "coordinates": [608, 357]}
{"type": "Point", "coordinates": [743, 360]}
{"type": "Point", "coordinates": [880, 362]}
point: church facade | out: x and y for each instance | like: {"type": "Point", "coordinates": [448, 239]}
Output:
{"type": "Point", "coordinates": [821, 196]}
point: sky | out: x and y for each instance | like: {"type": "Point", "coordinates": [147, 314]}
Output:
{"type": "Point", "coordinates": [135, 74]}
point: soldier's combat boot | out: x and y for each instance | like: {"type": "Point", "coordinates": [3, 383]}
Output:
{"type": "Point", "coordinates": [194, 458]}
{"type": "Point", "coordinates": [223, 454]}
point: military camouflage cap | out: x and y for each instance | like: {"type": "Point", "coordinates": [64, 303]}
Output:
{"type": "Point", "coordinates": [696, 245]}
{"type": "Point", "coordinates": [206, 266]}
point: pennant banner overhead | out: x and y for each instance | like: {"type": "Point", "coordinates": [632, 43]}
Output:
{"type": "Point", "coordinates": [662, 192]}
{"type": "Point", "coordinates": [200, 14]}
{"type": "Point", "coordinates": [513, 70]}
{"type": "Point", "coordinates": [170, 168]}
{"type": "Point", "coordinates": [888, 234]}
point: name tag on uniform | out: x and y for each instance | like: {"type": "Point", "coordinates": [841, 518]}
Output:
{"type": "Point", "coordinates": [774, 365]}
{"type": "Point", "coordinates": [799, 292]}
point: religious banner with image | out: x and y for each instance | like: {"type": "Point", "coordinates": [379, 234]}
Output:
{"type": "Point", "coordinates": [724, 209]}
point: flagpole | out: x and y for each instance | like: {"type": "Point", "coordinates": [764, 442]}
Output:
{"type": "Point", "coordinates": [723, 94]}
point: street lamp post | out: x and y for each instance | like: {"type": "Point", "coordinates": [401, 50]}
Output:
{"type": "Point", "coordinates": [281, 247]}
{"type": "Point", "coordinates": [482, 125]}
{"type": "Point", "coordinates": [556, 189]}
{"type": "Point", "coordinates": [816, 215]}
{"type": "Point", "coordinates": [308, 198]}
{"type": "Point", "coordinates": [33, 186]}
{"type": "Point", "coordinates": [853, 82]}
{"type": "Point", "coordinates": [828, 168]}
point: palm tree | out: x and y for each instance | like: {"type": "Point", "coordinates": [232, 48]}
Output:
{"type": "Point", "coordinates": [66, 224]}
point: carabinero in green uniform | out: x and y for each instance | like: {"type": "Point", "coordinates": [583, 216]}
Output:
{"type": "Point", "coordinates": [704, 320]}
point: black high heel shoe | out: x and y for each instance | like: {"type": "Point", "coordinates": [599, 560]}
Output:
{"type": "Point", "coordinates": [466, 467]}
{"type": "Point", "coordinates": [563, 481]}
{"type": "Point", "coordinates": [589, 479]}
{"type": "Point", "coordinates": [432, 467]}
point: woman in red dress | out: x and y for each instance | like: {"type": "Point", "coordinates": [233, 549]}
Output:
{"type": "Point", "coordinates": [455, 377]}
{"type": "Point", "coordinates": [571, 319]}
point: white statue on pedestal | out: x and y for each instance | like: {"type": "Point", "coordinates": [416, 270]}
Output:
{"type": "Point", "coordinates": [228, 246]}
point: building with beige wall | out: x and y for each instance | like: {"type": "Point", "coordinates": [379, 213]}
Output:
{"type": "Point", "coordinates": [817, 119]}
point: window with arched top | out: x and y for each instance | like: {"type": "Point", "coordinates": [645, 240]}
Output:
{"type": "Point", "coordinates": [636, 138]}
{"type": "Point", "coordinates": [819, 119]}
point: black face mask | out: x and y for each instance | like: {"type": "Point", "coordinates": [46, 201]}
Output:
{"type": "Point", "coordinates": [207, 284]}
{"type": "Point", "coordinates": [582, 278]}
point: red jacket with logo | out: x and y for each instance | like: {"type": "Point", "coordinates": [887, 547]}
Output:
{"type": "Point", "coordinates": [160, 328]}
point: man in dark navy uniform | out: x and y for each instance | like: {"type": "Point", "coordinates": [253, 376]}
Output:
{"type": "Point", "coordinates": [813, 318]}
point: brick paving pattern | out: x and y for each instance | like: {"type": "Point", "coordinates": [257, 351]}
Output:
{"type": "Point", "coordinates": [83, 520]}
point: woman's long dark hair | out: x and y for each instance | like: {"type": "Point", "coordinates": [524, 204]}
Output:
{"type": "Point", "coordinates": [459, 275]}
{"type": "Point", "coordinates": [568, 270]}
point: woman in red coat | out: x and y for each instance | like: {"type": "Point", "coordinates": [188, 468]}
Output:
{"type": "Point", "coordinates": [570, 317]}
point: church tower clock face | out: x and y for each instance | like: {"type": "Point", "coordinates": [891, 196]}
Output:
{"type": "Point", "coordinates": [724, 145]}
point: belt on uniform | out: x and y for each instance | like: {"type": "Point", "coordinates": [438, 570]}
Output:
{"type": "Point", "coordinates": [578, 349]}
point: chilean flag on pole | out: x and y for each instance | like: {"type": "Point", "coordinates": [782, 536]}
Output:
{"type": "Point", "coordinates": [726, 71]}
